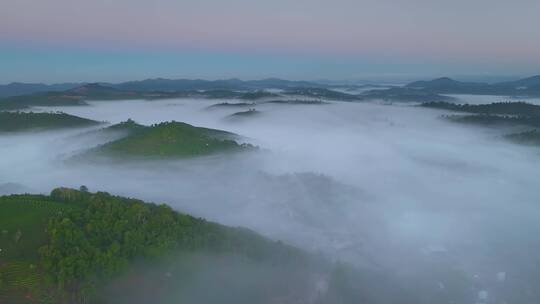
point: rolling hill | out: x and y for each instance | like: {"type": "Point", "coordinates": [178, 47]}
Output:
{"type": "Point", "coordinates": [170, 139]}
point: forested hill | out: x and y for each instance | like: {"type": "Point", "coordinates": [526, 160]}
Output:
{"type": "Point", "coordinates": [64, 245]}
{"type": "Point", "coordinates": [169, 139]}
{"type": "Point", "coordinates": [73, 246]}
{"type": "Point", "coordinates": [25, 121]}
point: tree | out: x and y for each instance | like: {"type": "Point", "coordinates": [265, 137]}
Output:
{"type": "Point", "coordinates": [83, 188]}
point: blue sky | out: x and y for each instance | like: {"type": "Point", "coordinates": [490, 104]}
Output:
{"type": "Point", "coordinates": [103, 40]}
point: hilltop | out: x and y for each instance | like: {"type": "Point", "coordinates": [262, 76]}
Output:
{"type": "Point", "coordinates": [170, 139]}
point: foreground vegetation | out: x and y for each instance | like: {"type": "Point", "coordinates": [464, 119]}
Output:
{"type": "Point", "coordinates": [23, 121]}
{"type": "Point", "coordinates": [73, 246]}
{"type": "Point", "coordinates": [72, 240]}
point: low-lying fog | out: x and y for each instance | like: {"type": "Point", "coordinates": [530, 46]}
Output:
{"type": "Point", "coordinates": [443, 208]}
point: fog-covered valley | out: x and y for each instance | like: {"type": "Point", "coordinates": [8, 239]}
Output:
{"type": "Point", "coordinates": [447, 210]}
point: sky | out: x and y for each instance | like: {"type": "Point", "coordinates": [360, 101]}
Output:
{"type": "Point", "coordinates": [105, 40]}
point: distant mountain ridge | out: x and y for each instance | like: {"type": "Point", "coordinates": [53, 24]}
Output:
{"type": "Point", "coordinates": [19, 88]}
{"type": "Point", "coordinates": [525, 86]}
{"type": "Point", "coordinates": [162, 84]}
{"type": "Point", "coordinates": [443, 82]}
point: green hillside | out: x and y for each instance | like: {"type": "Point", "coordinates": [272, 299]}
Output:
{"type": "Point", "coordinates": [171, 139]}
{"type": "Point", "coordinates": [79, 247]}
{"type": "Point", "coordinates": [24, 121]}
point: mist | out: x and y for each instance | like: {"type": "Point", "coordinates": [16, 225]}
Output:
{"type": "Point", "coordinates": [447, 210]}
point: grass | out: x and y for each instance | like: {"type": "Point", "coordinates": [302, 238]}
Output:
{"type": "Point", "coordinates": [25, 121]}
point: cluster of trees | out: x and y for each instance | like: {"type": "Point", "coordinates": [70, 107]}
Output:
{"type": "Point", "coordinates": [90, 244]}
